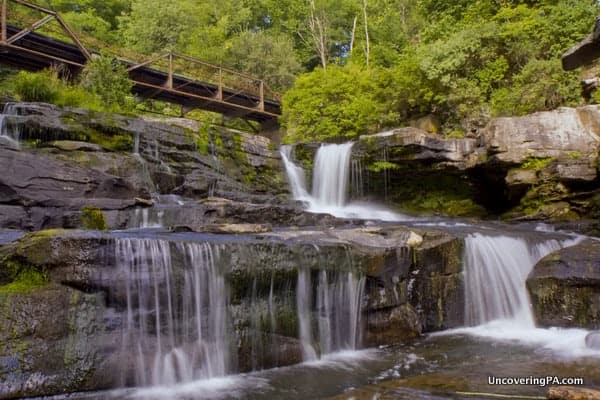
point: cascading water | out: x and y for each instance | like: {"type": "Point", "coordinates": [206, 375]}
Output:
{"type": "Point", "coordinates": [176, 323]}
{"type": "Point", "coordinates": [330, 185]}
{"type": "Point", "coordinates": [296, 176]}
{"type": "Point", "coordinates": [338, 301]}
{"type": "Point", "coordinates": [496, 268]}
{"type": "Point", "coordinates": [496, 299]}
{"type": "Point", "coordinates": [338, 309]}
{"type": "Point", "coordinates": [330, 175]}
{"type": "Point", "coordinates": [10, 131]}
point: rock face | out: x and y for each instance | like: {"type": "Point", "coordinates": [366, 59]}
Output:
{"type": "Point", "coordinates": [539, 166]}
{"type": "Point", "coordinates": [72, 158]}
{"type": "Point", "coordinates": [65, 331]}
{"type": "Point", "coordinates": [565, 287]}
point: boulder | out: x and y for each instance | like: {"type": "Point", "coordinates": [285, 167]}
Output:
{"type": "Point", "coordinates": [592, 340]}
{"type": "Point", "coordinates": [565, 287]}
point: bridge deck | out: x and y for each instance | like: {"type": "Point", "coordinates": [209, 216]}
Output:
{"type": "Point", "coordinates": [35, 52]}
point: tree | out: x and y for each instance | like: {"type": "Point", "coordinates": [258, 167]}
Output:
{"type": "Point", "coordinates": [156, 25]}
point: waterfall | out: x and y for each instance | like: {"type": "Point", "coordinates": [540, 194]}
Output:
{"type": "Point", "coordinates": [338, 309]}
{"type": "Point", "coordinates": [338, 312]}
{"type": "Point", "coordinates": [10, 131]}
{"type": "Point", "coordinates": [296, 176]}
{"type": "Point", "coordinates": [330, 175]}
{"type": "Point", "coordinates": [496, 268]}
{"type": "Point", "coordinates": [303, 306]}
{"type": "Point", "coordinates": [176, 320]}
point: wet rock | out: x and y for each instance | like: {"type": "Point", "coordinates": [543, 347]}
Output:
{"type": "Point", "coordinates": [592, 340]}
{"type": "Point", "coordinates": [419, 145]}
{"type": "Point", "coordinates": [565, 287]}
{"type": "Point", "coordinates": [72, 145]}
{"type": "Point", "coordinates": [572, 393]}
{"type": "Point", "coordinates": [226, 228]}
{"type": "Point", "coordinates": [171, 157]}
{"type": "Point", "coordinates": [391, 326]}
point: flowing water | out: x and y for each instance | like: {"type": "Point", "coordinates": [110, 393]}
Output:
{"type": "Point", "coordinates": [10, 132]}
{"type": "Point", "coordinates": [180, 326]}
{"type": "Point", "coordinates": [496, 265]}
{"type": "Point", "coordinates": [178, 330]}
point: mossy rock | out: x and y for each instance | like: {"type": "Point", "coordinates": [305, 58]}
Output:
{"type": "Point", "coordinates": [93, 218]}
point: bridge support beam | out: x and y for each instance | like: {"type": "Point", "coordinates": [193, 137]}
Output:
{"type": "Point", "coordinates": [4, 11]}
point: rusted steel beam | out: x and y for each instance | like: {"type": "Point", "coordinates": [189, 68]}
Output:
{"type": "Point", "coordinates": [147, 62]}
{"type": "Point", "coordinates": [36, 25]}
{"type": "Point", "coordinates": [220, 85]}
{"type": "Point", "coordinates": [199, 97]}
{"type": "Point", "coordinates": [44, 55]}
{"type": "Point", "coordinates": [4, 16]}
{"type": "Point", "coordinates": [170, 73]}
{"type": "Point", "coordinates": [74, 37]}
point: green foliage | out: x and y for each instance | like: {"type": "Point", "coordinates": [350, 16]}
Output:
{"type": "Point", "coordinates": [93, 218]}
{"type": "Point", "coordinates": [113, 142]}
{"type": "Point", "coordinates": [379, 166]}
{"type": "Point", "coordinates": [108, 80]}
{"type": "Point", "coordinates": [23, 278]}
{"type": "Point", "coordinates": [331, 104]}
{"type": "Point", "coordinates": [541, 85]}
{"type": "Point", "coordinates": [536, 164]}
{"type": "Point", "coordinates": [41, 87]}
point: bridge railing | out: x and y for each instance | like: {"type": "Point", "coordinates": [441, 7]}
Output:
{"type": "Point", "coordinates": [182, 71]}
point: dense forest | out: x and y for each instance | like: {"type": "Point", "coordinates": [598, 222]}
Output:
{"type": "Point", "coordinates": [349, 67]}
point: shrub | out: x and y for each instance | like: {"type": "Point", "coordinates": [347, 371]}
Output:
{"type": "Point", "coordinates": [93, 218]}
{"type": "Point", "coordinates": [37, 86]}
{"type": "Point", "coordinates": [109, 81]}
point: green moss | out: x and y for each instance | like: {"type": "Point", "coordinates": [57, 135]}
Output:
{"type": "Point", "coordinates": [26, 279]}
{"type": "Point", "coordinates": [93, 218]}
{"type": "Point", "coordinates": [203, 139]}
{"type": "Point", "coordinates": [456, 134]}
{"type": "Point", "coordinates": [116, 142]}
{"type": "Point", "coordinates": [575, 155]}
{"type": "Point", "coordinates": [433, 194]}
{"type": "Point", "coordinates": [536, 163]}
{"type": "Point", "coordinates": [379, 166]}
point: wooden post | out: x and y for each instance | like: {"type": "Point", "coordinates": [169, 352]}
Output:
{"type": "Point", "coordinates": [4, 11]}
{"type": "Point", "coordinates": [261, 105]}
{"type": "Point", "coordinates": [170, 78]}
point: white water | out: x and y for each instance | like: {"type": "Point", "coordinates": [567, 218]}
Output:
{"type": "Point", "coordinates": [338, 312]}
{"type": "Point", "coordinates": [330, 185]}
{"type": "Point", "coordinates": [176, 326]}
{"type": "Point", "coordinates": [496, 267]}
{"type": "Point", "coordinates": [11, 133]}
{"type": "Point", "coordinates": [497, 304]}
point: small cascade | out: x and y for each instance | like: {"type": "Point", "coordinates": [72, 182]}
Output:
{"type": "Point", "coordinates": [148, 218]}
{"type": "Point", "coordinates": [176, 319]}
{"type": "Point", "coordinates": [303, 307]}
{"type": "Point", "coordinates": [338, 309]}
{"type": "Point", "coordinates": [356, 179]}
{"type": "Point", "coordinates": [386, 173]}
{"type": "Point", "coordinates": [496, 268]}
{"type": "Point", "coordinates": [296, 176]}
{"type": "Point", "coordinates": [330, 175]}
{"type": "Point", "coordinates": [11, 132]}
{"type": "Point", "coordinates": [338, 312]}
{"type": "Point", "coordinates": [136, 144]}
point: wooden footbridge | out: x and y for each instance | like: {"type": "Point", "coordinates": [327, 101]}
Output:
{"type": "Point", "coordinates": [170, 77]}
